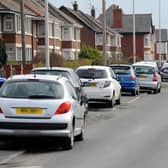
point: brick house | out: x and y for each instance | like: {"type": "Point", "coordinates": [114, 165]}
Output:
{"type": "Point", "coordinates": [92, 32]}
{"type": "Point", "coordinates": [10, 30]}
{"type": "Point", "coordinates": [144, 32]}
{"type": "Point", "coordinates": [162, 44]}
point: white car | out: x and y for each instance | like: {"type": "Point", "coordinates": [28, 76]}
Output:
{"type": "Point", "coordinates": [41, 105]}
{"type": "Point", "coordinates": [100, 84]}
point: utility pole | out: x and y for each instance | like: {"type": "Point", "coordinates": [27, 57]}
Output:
{"type": "Point", "coordinates": [160, 56]}
{"type": "Point", "coordinates": [134, 39]}
{"type": "Point", "coordinates": [104, 32]}
{"type": "Point", "coordinates": [23, 31]}
{"type": "Point", "coordinates": [47, 59]}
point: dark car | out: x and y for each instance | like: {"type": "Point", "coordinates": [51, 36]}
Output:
{"type": "Point", "coordinates": [2, 80]}
{"type": "Point", "coordinates": [127, 78]}
{"type": "Point", "coordinates": [164, 73]}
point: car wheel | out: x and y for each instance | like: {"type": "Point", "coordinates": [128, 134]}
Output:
{"type": "Point", "coordinates": [155, 91]}
{"type": "Point", "coordinates": [80, 137]}
{"type": "Point", "coordinates": [112, 101]}
{"type": "Point", "coordinates": [138, 91]}
{"type": "Point", "coordinates": [118, 101]}
{"type": "Point", "coordinates": [69, 141]}
{"type": "Point", "coordinates": [134, 92]}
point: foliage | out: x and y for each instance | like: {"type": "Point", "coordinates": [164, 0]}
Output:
{"type": "Point", "coordinates": [3, 55]}
{"type": "Point", "coordinates": [77, 63]}
{"type": "Point", "coordinates": [93, 54]}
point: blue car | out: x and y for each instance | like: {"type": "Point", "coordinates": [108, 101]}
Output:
{"type": "Point", "coordinates": [127, 78]}
{"type": "Point", "coordinates": [2, 80]}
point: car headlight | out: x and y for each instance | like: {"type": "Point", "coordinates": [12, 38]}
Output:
{"type": "Point", "coordinates": [107, 84]}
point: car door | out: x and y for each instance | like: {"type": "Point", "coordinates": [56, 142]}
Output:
{"type": "Point", "coordinates": [77, 108]}
{"type": "Point", "coordinates": [116, 84]}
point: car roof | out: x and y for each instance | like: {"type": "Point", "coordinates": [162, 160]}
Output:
{"type": "Point", "coordinates": [53, 68]}
{"type": "Point", "coordinates": [93, 66]}
{"type": "Point", "coordinates": [145, 63]}
{"type": "Point", "coordinates": [126, 65]}
{"type": "Point", "coordinates": [36, 76]}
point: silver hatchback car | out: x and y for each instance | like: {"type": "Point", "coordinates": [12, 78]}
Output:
{"type": "Point", "coordinates": [148, 76]}
{"type": "Point", "coordinates": [41, 105]}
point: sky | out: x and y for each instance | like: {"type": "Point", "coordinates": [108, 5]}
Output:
{"type": "Point", "coordinates": [141, 6]}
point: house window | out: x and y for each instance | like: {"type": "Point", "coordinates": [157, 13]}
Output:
{"type": "Point", "coordinates": [18, 23]}
{"type": "Point", "coordinates": [8, 23]}
{"type": "Point", "coordinates": [18, 54]}
{"type": "Point", "coordinates": [58, 31]}
{"type": "Point", "coordinates": [51, 32]}
{"type": "Point", "coordinates": [41, 31]}
{"type": "Point", "coordinates": [28, 25]}
{"type": "Point", "coordinates": [10, 52]}
{"type": "Point", "coordinates": [99, 39]}
{"type": "Point", "coordinates": [68, 55]}
{"type": "Point", "coordinates": [77, 34]}
{"type": "Point", "coordinates": [113, 42]}
{"type": "Point", "coordinates": [28, 54]}
{"type": "Point", "coordinates": [147, 40]}
{"type": "Point", "coordinates": [66, 33]}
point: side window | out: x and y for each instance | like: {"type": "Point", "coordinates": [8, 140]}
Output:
{"type": "Point", "coordinates": [113, 75]}
{"type": "Point", "coordinates": [71, 90]}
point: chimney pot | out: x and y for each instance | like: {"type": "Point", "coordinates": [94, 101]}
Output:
{"type": "Point", "coordinates": [93, 11]}
{"type": "Point", "coordinates": [75, 6]}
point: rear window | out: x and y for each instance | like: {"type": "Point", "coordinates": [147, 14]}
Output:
{"type": "Point", "coordinates": [92, 73]}
{"type": "Point", "coordinates": [32, 89]}
{"type": "Point", "coordinates": [144, 70]}
{"type": "Point", "coordinates": [53, 72]}
{"type": "Point", "coordinates": [125, 70]}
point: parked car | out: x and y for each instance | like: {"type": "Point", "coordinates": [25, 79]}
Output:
{"type": "Point", "coordinates": [41, 105]}
{"type": "Point", "coordinates": [164, 73]}
{"type": "Point", "coordinates": [2, 80]}
{"type": "Point", "coordinates": [127, 78]}
{"type": "Point", "coordinates": [100, 84]}
{"type": "Point", "coordinates": [68, 73]}
{"type": "Point", "coordinates": [148, 76]}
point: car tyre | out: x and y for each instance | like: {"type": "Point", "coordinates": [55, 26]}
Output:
{"type": "Point", "coordinates": [118, 101]}
{"type": "Point", "coordinates": [80, 137]}
{"type": "Point", "coordinates": [69, 141]}
{"type": "Point", "coordinates": [134, 92]}
{"type": "Point", "coordinates": [112, 101]}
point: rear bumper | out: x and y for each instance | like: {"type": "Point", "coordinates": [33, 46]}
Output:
{"type": "Point", "coordinates": [34, 129]}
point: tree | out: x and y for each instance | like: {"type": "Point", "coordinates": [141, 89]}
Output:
{"type": "Point", "coordinates": [3, 55]}
{"type": "Point", "coordinates": [93, 54]}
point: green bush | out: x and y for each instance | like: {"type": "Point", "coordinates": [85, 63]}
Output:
{"type": "Point", "coordinates": [92, 54]}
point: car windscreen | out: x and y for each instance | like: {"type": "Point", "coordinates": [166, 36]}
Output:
{"type": "Point", "coordinates": [121, 70]}
{"type": "Point", "coordinates": [92, 73]}
{"type": "Point", "coordinates": [144, 70]}
{"type": "Point", "coordinates": [32, 89]}
{"type": "Point", "coordinates": [53, 72]}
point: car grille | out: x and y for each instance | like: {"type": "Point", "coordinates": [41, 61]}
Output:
{"type": "Point", "coordinates": [34, 126]}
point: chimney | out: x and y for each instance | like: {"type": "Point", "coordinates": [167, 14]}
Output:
{"type": "Point", "coordinates": [93, 11]}
{"type": "Point", "coordinates": [117, 17]}
{"type": "Point", "coordinates": [75, 6]}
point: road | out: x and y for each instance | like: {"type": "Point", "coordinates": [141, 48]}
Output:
{"type": "Point", "coordinates": [132, 135]}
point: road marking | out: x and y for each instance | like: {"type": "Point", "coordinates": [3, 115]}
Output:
{"type": "Point", "coordinates": [11, 157]}
{"type": "Point", "coordinates": [28, 167]}
{"type": "Point", "coordinates": [133, 100]}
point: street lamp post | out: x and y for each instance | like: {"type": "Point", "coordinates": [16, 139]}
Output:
{"type": "Point", "coordinates": [104, 32]}
{"type": "Point", "coordinates": [47, 59]}
{"type": "Point", "coordinates": [160, 56]}
{"type": "Point", "coordinates": [134, 39]}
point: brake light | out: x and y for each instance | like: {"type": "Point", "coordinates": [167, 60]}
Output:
{"type": "Point", "coordinates": [1, 111]}
{"type": "Point", "coordinates": [132, 77]}
{"type": "Point", "coordinates": [155, 77]}
{"type": "Point", "coordinates": [63, 108]}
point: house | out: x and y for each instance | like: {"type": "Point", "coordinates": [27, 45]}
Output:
{"type": "Point", "coordinates": [92, 32]}
{"type": "Point", "coordinates": [64, 33]}
{"type": "Point", "coordinates": [144, 32]}
{"type": "Point", "coordinates": [161, 44]}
